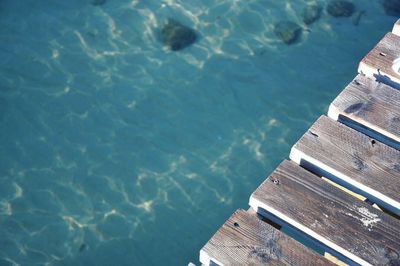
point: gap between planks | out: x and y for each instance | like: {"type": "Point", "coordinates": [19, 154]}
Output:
{"type": "Point", "coordinates": [331, 217]}
{"type": "Point", "coordinates": [351, 159]}
{"type": "Point", "coordinates": [369, 107]}
{"type": "Point", "coordinates": [244, 239]}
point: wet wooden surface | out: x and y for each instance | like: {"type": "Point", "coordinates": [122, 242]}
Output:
{"type": "Point", "coordinates": [246, 240]}
{"type": "Point", "coordinates": [349, 226]}
{"type": "Point", "coordinates": [351, 159]}
{"type": "Point", "coordinates": [373, 108]}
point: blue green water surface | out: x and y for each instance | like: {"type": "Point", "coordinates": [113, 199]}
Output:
{"type": "Point", "coordinates": [116, 151]}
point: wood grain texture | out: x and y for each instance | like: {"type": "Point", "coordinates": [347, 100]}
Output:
{"type": "Point", "coordinates": [373, 105]}
{"type": "Point", "coordinates": [351, 159]}
{"type": "Point", "coordinates": [246, 240]}
{"type": "Point", "coordinates": [348, 226]}
{"type": "Point", "coordinates": [378, 63]}
{"type": "Point", "coordinates": [396, 28]}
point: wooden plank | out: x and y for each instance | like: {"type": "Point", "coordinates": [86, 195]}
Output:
{"type": "Point", "coordinates": [358, 196]}
{"type": "Point", "coordinates": [246, 240]}
{"type": "Point", "coordinates": [370, 107]}
{"type": "Point", "coordinates": [396, 28]}
{"type": "Point", "coordinates": [353, 160]}
{"type": "Point", "coordinates": [334, 259]}
{"type": "Point", "coordinates": [350, 229]}
{"type": "Point", "coordinates": [382, 62]}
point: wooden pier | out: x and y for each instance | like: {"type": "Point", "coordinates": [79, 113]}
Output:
{"type": "Point", "coordinates": [340, 191]}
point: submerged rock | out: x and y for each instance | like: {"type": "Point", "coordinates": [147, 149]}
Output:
{"type": "Point", "coordinates": [177, 36]}
{"type": "Point", "coordinates": [82, 247]}
{"type": "Point", "coordinates": [311, 13]}
{"type": "Point", "coordinates": [98, 2]}
{"type": "Point", "coordinates": [340, 8]}
{"type": "Point", "coordinates": [392, 7]}
{"type": "Point", "coordinates": [288, 31]}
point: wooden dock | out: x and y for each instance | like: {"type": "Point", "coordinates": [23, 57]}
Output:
{"type": "Point", "coordinates": [340, 191]}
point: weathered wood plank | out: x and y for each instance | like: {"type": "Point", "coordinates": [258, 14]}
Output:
{"type": "Point", "coordinates": [396, 28]}
{"type": "Point", "coordinates": [370, 107]}
{"type": "Point", "coordinates": [353, 160]}
{"type": "Point", "coordinates": [380, 63]}
{"type": "Point", "coordinates": [348, 228]}
{"type": "Point", "coordinates": [246, 240]}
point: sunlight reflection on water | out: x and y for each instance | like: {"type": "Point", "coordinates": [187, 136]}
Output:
{"type": "Point", "coordinates": [114, 148]}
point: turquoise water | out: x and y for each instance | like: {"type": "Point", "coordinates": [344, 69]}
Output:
{"type": "Point", "coordinates": [116, 151]}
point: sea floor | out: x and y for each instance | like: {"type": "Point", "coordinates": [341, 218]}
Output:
{"type": "Point", "coordinates": [115, 150]}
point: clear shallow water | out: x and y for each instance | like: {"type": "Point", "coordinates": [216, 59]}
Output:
{"type": "Point", "coordinates": [115, 151]}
